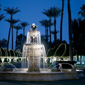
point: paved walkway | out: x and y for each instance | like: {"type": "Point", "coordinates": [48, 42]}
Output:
{"type": "Point", "coordinates": [80, 81]}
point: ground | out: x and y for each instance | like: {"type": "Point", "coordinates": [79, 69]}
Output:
{"type": "Point", "coordinates": [80, 81]}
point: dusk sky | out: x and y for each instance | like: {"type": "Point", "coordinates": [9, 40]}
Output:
{"type": "Point", "coordinates": [31, 12]}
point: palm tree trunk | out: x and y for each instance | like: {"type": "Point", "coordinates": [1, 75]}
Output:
{"type": "Point", "coordinates": [8, 37]}
{"type": "Point", "coordinates": [46, 34]}
{"type": "Point", "coordinates": [61, 21]}
{"type": "Point", "coordinates": [12, 32]}
{"type": "Point", "coordinates": [50, 30]}
{"type": "Point", "coordinates": [45, 31]}
{"type": "Point", "coordinates": [23, 30]}
{"type": "Point", "coordinates": [16, 39]}
{"type": "Point", "coordinates": [55, 36]}
{"type": "Point", "coordinates": [12, 36]}
{"type": "Point", "coordinates": [70, 31]}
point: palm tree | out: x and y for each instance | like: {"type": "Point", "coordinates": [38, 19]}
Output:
{"type": "Point", "coordinates": [82, 12]}
{"type": "Point", "coordinates": [48, 14]}
{"type": "Point", "coordinates": [61, 20]}
{"type": "Point", "coordinates": [46, 25]}
{"type": "Point", "coordinates": [70, 31]}
{"type": "Point", "coordinates": [24, 24]}
{"type": "Point", "coordinates": [11, 11]}
{"type": "Point", "coordinates": [1, 17]}
{"type": "Point", "coordinates": [55, 12]}
{"type": "Point", "coordinates": [12, 22]}
{"type": "Point", "coordinates": [18, 27]}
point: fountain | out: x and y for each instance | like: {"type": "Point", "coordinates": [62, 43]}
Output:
{"type": "Point", "coordinates": [33, 51]}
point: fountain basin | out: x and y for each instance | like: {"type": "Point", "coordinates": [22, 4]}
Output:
{"type": "Point", "coordinates": [37, 76]}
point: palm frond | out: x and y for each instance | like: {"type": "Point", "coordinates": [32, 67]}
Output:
{"type": "Point", "coordinates": [12, 21]}
{"type": "Point", "coordinates": [1, 17]}
{"type": "Point", "coordinates": [45, 23]}
{"type": "Point", "coordinates": [24, 24]}
{"type": "Point", "coordinates": [12, 10]}
{"type": "Point", "coordinates": [17, 27]}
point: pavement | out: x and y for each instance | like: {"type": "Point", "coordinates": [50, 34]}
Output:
{"type": "Point", "coordinates": [80, 81]}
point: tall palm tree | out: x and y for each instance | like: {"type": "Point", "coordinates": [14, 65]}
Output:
{"type": "Point", "coordinates": [18, 27]}
{"type": "Point", "coordinates": [48, 14]}
{"type": "Point", "coordinates": [12, 22]}
{"type": "Point", "coordinates": [11, 11]}
{"type": "Point", "coordinates": [82, 12]}
{"type": "Point", "coordinates": [70, 31]}
{"type": "Point", "coordinates": [61, 20]}
{"type": "Point", "coordinates": [24, 24]}
{"type": "Point", "coordinates": [55, 12]}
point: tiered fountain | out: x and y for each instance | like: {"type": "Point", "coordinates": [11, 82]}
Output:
{"type": "Point", "coordinates": [33, 50]}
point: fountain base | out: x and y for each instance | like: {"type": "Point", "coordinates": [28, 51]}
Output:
{"type": "Point", "coordinates": [23, 75]}
{"type": "Point", "coordinates": [37, 76]}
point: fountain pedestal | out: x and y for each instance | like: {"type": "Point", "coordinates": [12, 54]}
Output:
{"type": "Point", "coordinates": [34, 64]}
{"type": "Point", "coordinates": [33, 53]}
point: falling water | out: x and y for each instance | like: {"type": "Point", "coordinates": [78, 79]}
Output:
{"type": "Point", "coordinates": [33, 50]}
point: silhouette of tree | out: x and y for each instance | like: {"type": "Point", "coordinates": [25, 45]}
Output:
{"type": "Point", "coordinates": [1, 16]}
{"type": "Point", "coordinates": [55, 12]}
{"type": "Point", "coordinates": [18, 27]}
{"type": "Point", "coordinates": [19, 44]}
{"type": "Point", "coordinates": [70, 30]}
{"type": "Point", "coordinates": [3, 43]}
{"type": "Point", "coordinates": [82, 12]}
{"type": "Point", "coordinates": [48, 14]}
{"type": "Point", "coordinates": [46, 25]}
{"type": "Point", "coordinates": [61, 21]}
{"type": "Point", "coordinates": [78, 37]}
{"type": "Point", "coordinates": [24, 24]}
{"type": "Point", "coordinates": [11, 11]}
{"type": "Point", "coordinates": [12, 22]}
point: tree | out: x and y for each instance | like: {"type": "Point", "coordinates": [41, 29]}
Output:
{"type": "Point", "coordinates": [46, 24]}
{"type": "Point", "coordinates": [11, 11]}
{"type": "Point", "coordinates": [12, 22]}
{"type": "Point", "coordinates": [20, 42]}
{"type": "Point", "coordinates": [55, 12]}
{"type": "Point", "coordinates": [70, 31]}
{"type": "Point", "coordinates": [48, 14]}
{"type": "Point", "coordinates": [3, 43]}
{"type": "Point", "coordinates": [61, 21]}
{"type": "Point", "coordinates": [78, 37]}
{"type": "Point", "coordinates": [18, 27]}
{"type": "Point", "coordinates": [24, 24]}
{"type": "Point", "coordinates": [82, 12]}
{"type": "Point", "coordinates": [1, 16]}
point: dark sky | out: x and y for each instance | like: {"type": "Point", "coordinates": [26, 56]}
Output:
{"type": "Point", "coordinates": [31, 13]}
